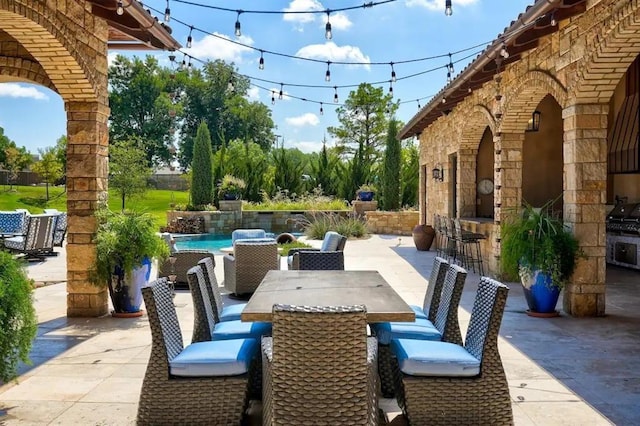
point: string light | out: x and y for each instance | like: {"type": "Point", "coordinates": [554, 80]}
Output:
{"type": "Point", "coordinates": [327, 28]}
{"type": "Point", "coordinates": [448, 10]}
{"type": "Point", "coordinates": [393, 73]}
{"type": "Point", "coordinates": [230, 85]}
{"type": "Point", "coordinates": [444, 100]}
{"type": "Point", "coordinates": [418, 101]}
{"type": "Point", "coordinates": [503, 51]}
{"type": "Point", "coordinates": [167, 13]}
{"type": "Point", "coordinates": [553, 19]}
{"type": "Point", "coordinates": [238, 31]}
{"type": "Point", "coordinates": [190, 38]}
{"type": "Point", "coordinates": [189, 65]}
{"type": "Point", "coordinates": [335, 95]}
{"type": "Point", "coordinates": [273, 97]}
{"type": "Point", "coordinates": [120, 8]}
{"type": "Point", "coordinates": [448, 75]}
{"type": "Point", "coordinates": [391, 89]}
{"type": "Point", "coordinates": [321, 109]}
{"type": "Point", "coordinates": [183, 65]}
{"type": "Point", "coordinates": [451, 69]}
{"type": "Point", "coordinates": [280, 94]}
{"type": "Point", "coordinates": [261, 63]}
{"type": "Point", "coordinates": [327, 75]}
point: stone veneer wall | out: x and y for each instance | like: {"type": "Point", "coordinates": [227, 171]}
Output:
{"type": "Point", "coordinates": [397, 223]}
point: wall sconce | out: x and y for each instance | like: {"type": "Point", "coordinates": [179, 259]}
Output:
{"type": "Point", "coordinates": [438, 173]}
{"type": "Point", "coordinates": [534, 122]}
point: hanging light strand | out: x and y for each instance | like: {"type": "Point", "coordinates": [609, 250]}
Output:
{"type": "Point", "coordinates": [448, 10]}
{"type": "Point", "coordinates": [237, 30]}
{"type": "Point", "coordinates": [327, 75]}
{"type": "Point", "coordinates": [190, 38]}
{"type": "Point", "coordinates": [167, 13]}
{"type": "Point", "coordinates": [120, 8]}
{"type": "Point", "coordinates": [393, 73]}
{"type": "Point", "coordinates": [261, 62]}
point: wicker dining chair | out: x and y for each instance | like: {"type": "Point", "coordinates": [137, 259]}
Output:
{"type": "Point", "coordinates": [250, 262]}
{"type": "Point", "coordinates": [470, 390]}
{"type": "Point", "coordinates": [319, 367]}
{"type": "Point", "coordinates": [177, 397]}
{"type": "Point", "coordinates": [220, 311]}
{"type": "Point", "coordinates": [428, 311]}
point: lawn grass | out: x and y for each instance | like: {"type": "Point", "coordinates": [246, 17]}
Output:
{"type": "Point", "coordinates": [155, 202]}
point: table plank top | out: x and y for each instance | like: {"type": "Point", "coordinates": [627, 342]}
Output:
{"type": "Point", "coordinates": [328, 288]}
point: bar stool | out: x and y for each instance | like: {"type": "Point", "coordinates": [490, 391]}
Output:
{"type": "Point", "coordinates": [441, 237]}
{"type": "Point", "coordinates": [468, 251]}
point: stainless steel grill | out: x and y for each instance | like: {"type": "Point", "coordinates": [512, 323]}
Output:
{"type": "Point", "coordinates": [624, 218]}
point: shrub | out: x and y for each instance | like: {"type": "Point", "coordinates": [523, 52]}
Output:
{"type": "Point", "coordinates": [283, 200]}
{"type": "Point", "coordinates": [231, 187]}
{"type": "Point", "coordinates": [202, 177]}
{"type": "Point", "coordinates": [321, 222]}
{"type": "Point", "coordinates": [284, 248]}
{"type": "Point", "coordinates": [18, 323]}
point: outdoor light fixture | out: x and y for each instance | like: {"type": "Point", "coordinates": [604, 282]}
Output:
{"type": "Point", "coordinates": [237, 30]}
{"type": "Point", "coordinates": [167, 13]}
{"type": "Point", "coordinates": [120, 8]}
{"type": "Point", "coordinates": [393, 73]}
{"type": "Point", "coordinates": [438, 173]}
{"type": "Point", "coordinates": [447, 8]}
{"type": "Point", "coordinates": [261, 63]}
{"type": "Point", "coordinates": [327, 28]}
{"type": "Point", "coordinates": [534, 122]}
{"type": "Point", "coordinates": [327, 75]}
{"type": "Point", "coordinates": [189, 38]}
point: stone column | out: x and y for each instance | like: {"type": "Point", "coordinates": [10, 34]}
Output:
{"type": "Point", "coordinates": [585, 177]}
{"type": "Point", "coordinates": [467, 182]}
{"type": "Point", "coordinates": [87, 144]}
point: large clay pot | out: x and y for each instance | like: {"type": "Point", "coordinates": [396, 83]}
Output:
{"type": "Point", "coordinates": [423, 236]}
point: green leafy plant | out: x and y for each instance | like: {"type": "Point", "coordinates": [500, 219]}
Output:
{"type": "Point", "coordinates": [366, 188]}
{"type": "Point", "coordinates": [283, 200]}
{"type": "Point", "coordinates": [535, 239]}
{"type": "Point", "coordinates": [124, 240]}
{"type": "Point", "coordinates": [284, 248]}
{"type": "Point", "coordinates": [18, 322]}
{"type": "Point", "coordinates": [231, 185]}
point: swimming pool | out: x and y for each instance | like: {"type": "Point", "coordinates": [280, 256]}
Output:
{"type": "Point", "coordinates": [210, 242]}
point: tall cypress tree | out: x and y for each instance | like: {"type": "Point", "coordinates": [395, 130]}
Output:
{"type": "Point", "coordinates": [391, 172]}
{"type": "Point", "coordinates": [202, 174]}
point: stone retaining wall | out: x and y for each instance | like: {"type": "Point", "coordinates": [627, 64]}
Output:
{"type": "Point", "coordinates": [397, 223]}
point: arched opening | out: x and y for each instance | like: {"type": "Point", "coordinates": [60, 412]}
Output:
{"type": "Point", "coordinates": [484, 176]}
{"type": "Point", "coordinates": [542, 168]}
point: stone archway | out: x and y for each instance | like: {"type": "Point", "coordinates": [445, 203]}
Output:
{"type": "Point", "coordinates": [64, 47]}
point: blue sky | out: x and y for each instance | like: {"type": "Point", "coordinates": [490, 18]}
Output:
{"type": "Point", "coordinates": [34, 116]}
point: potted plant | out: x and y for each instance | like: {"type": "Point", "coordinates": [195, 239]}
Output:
{"type": "Point", "coordinates": [125, 244]}
{"type": "Point", "coordinates": [18, 322]}
{"type": "Point", "coordinates": [537, 247]}
{"type": "Point", "coordinates": [365, 192]}
{"type": "Point", "coordinates": [231, 188]}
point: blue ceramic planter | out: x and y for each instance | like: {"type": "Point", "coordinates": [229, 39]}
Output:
{"type": "Point", "coordinates": [540, 293]}
{"type": "Point", "coordinates": [366, 195]}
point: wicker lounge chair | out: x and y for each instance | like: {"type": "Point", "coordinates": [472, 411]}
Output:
{"type": "Point", "coordinates": [319, 367]}
{"type": "Point", "coordinates": [250, 262]}
{"type": "Point", "coordinates": [328, 257]}
{"type": "Point", "coordinates": [444, 327]}
{"type": "Point", "coordinates": [184, 260]}
{"type": "Point", "coordinates": [38, 241]}
{"type": "Point", "coordinates": [170, 393]}
{"type": "Point", "coordinates": [220, 312]}
{"type": "Point", "coordinates": [475, 391]}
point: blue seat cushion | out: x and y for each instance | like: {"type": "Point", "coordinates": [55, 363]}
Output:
{"type": "Point", "coordinates": [221, 358]}
{"type": "Point", "coordinates": [424, 358]}
{"type": "Point", "coordinates": [418, 311]}
{"type": "Point", "coordinates": [226, 330]}
{"type": "Point", "coordinates": [421, 329]}
{"type": "Point", "coordinates": [232, 312]}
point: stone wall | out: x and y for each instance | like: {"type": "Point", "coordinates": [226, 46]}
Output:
{"type": "Point", "coordinates": [396, 223]}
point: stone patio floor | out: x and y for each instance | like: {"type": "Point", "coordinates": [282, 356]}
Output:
{"type": "Point", "coordinates": [561, 371]}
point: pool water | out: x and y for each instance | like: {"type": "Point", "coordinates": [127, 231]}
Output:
{"type": "Point", "coordinates": [210, 242]}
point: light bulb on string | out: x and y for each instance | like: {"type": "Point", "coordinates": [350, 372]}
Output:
{"type": "Point", "coordinates": [469, 89]}
{"type": "Point", "coordinates": [503, 51]}
{"type": "Point", "coordinates": [273, 97]}
{"type": "Point", "coordinates": [167, 13]}
{"type": "Point", "coordinates": [230, 85]}
{"type": "Point", "coordinates": [189, 64]}
{"type": "Point", "coordinates": [335, 95]}
{"type": "Point", "coordinates": [327, 75]}
{"type": "Point", "coordinates": [553, 19]}
{"type": "Point", "coordinates": [280, 95]}
{"type": "Point", "coordinates": [120, 8]}
{"type": "Point", "coordinates": [451, 70]}
{"type": "Point", "coordinates": [189, 38]}
{"type": "Point", "coordinates": [183, 65]}
{"type": "Point", "coordinates": [237, 30]}
{"type": "Point", "coordinates": [444, 100]}
{"type": "Point", "coordinates": [327, 28]}
{"type": "Point", "coordinates": [391, 89]}
{"type": "Point", "coordinates": [448, 77]}
{"type": "Point", "coordinates": [321, 109]}
{"type": "Point", "coordinates": [418, 101]}
{"type": "Point", "coordinates": [448, 10]}
{"type": "Point", "coordinates": [393, 73]}
{"type": "Point", "coordinates": [261, 63]}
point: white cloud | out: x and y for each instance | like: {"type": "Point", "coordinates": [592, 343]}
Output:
{"type": "Point", "coordinates": [15, 90]}
{"type": "Point", "coordinates": [306, 146]}
{"type": "Point", "coordinates": [438, 4]}
{"type": "Point", "coordinates": [213, 47]}
{"type": "Point", "coordinates": [331, 52]}
{"type": "Point", "coordinates": [339, 21]}
{"type": "Point", "coordinates": [307, 119]}
{"type": "Point", "coordinates": [301, 5]}
{"type": "Point", "coordinates": [253, 94]}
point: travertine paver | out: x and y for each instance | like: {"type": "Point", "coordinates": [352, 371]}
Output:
{"type": "Point", "coordinates": [96, 377]}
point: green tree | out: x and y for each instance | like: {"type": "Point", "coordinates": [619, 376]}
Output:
{"type": "Point", "coordinates": [289, 167]}
{"type": "Point", "coordinates": [141, 106]}
{"type": "Point", "coordinates": [244, 160]}
{"type": "Point", "coordinates": [15, 159]}
{"type": "Point", "coordinates": [323, 170]}
{"type": "Point", "coordinates": [409, 174]}
{"type": "Point", "coordinates": [49, 167]}
{"type": "Point", "coordinates": [202, 178]}
{"type": "Point", "coordinates": [61, 153]}
{"type": "Point", "coordinates": [128, 170]}
{"type": "Point", "coordinates": [391, 172]}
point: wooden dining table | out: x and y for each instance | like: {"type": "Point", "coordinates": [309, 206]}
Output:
{"type": "Point", "coordinates": [328, 288]}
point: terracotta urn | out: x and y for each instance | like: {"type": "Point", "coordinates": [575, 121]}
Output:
{"type": "Point", "coordinates": [423, 236]}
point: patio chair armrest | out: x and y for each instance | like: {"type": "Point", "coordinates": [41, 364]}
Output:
{"type": "Point", "coordinates": [229, 265]}
{"type": "Point", "coordinates": [293, 251]}
{"type": "Point", "coordinates": [267, 347]}
{"type": "Point", "coordinates": [320, 260]}
{"type": "Point", "coordinates": [185, 259]}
